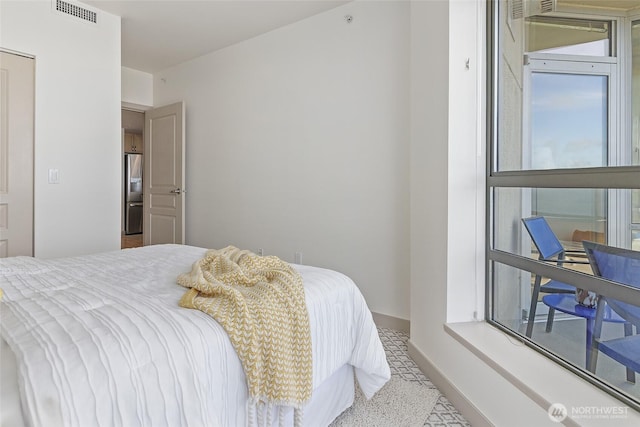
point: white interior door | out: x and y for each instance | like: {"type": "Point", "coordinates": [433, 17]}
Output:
{"type": "Point", "coordinates": [164, 175]}
{"type": "Point", "coordinates": [17, 87]}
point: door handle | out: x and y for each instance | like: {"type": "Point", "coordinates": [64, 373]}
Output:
{"type": "Point", "coordinates": [176, 191]}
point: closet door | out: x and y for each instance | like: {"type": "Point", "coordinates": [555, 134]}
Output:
{"type": "Point", "coordinates": [16, 154]}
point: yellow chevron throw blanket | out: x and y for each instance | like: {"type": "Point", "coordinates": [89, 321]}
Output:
{"type": "Point", "coordinates": [260, 303]}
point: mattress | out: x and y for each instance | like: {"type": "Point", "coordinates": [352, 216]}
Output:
{"type": "Point", "coordinates": [100, 340]}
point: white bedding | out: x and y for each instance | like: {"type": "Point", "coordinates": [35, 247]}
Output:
{"type": "Point", "coordinates": [101, 340]}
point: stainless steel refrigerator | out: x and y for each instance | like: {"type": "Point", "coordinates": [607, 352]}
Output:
{"type": "Point", "coordinates": [133, 193]}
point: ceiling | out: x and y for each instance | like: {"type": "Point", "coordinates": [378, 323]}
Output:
{"type": "Point", "coordinates": [157, 34]}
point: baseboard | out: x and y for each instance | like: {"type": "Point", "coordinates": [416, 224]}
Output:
{"type": "Point", "coordinates": [385, 321]}
{"type": "Point", "coordinates": [471, 413]}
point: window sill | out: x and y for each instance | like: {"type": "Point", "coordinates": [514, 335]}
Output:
{"type": "Point", "coordinates": [522, 367]}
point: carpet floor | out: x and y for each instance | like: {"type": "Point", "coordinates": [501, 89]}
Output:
{"type": "Point", "coordinates": [409, 399]}
{"type": "Point", "coordinates": [399, 403]}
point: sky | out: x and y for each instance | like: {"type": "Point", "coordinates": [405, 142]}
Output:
{"type": "Point", "coordinates": [568, 120]}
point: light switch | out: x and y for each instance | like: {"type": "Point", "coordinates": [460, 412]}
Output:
{"type": "Point", "coordinates": [54, 176]}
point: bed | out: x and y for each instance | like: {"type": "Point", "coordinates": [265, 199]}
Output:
{"type": "Point", "coordinates": [100, 340]}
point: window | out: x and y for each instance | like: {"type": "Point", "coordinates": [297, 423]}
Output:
{"type": "Point", "coordinates": [564, 145]}
{"type": "Point", "coordinates": [635, 133]}
{"type": "Point", "coordinates": [568, 36]}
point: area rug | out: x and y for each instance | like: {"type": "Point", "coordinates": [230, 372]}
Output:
{"type": "Point", "coordinates": [399, 404]}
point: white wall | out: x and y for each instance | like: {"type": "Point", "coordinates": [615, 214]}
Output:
{"type": "Point", "coordinates": [77, 125]}
{"type": "Point", "coordinates": [137, 87]}
{"type": "Point", "coordinates": [444, 205]}
{"type": "Point", "coordinates": [297, 141]}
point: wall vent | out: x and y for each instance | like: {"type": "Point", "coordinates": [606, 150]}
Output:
{"type": "Point", "coordinates": [517, 9]}
{"type": "Point", "coordinates": [77, 11]}
{"type": "Point", "coordinates": [526, 8]}
{"type": "Point", "coordinates": [547, 6]}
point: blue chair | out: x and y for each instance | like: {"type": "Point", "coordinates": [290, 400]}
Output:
{"type": "Point", "coordinates": [622, 266]}
{"type": "Point", "coordinates": [551, 250]}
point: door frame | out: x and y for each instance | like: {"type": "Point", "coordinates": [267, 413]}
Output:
{"type": "Point", "coordinates": [615, 202]}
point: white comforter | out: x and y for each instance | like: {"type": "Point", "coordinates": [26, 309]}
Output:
{"type": "Point", "coordinates": [101, 341]}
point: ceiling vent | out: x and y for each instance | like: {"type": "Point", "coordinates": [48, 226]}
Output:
{"type": "Point", "coordinates": [526, 8]}
{"type": "Point", "coordinates": [77, 11]}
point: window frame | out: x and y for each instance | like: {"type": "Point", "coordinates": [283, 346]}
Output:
{"type": "Point", "coordinates": [627, 26]}
{"type": "Point", "coordinates": [611, 178]}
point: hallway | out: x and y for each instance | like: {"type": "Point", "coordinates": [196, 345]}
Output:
{"type": "Point", "coordinates": [131, 241]}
